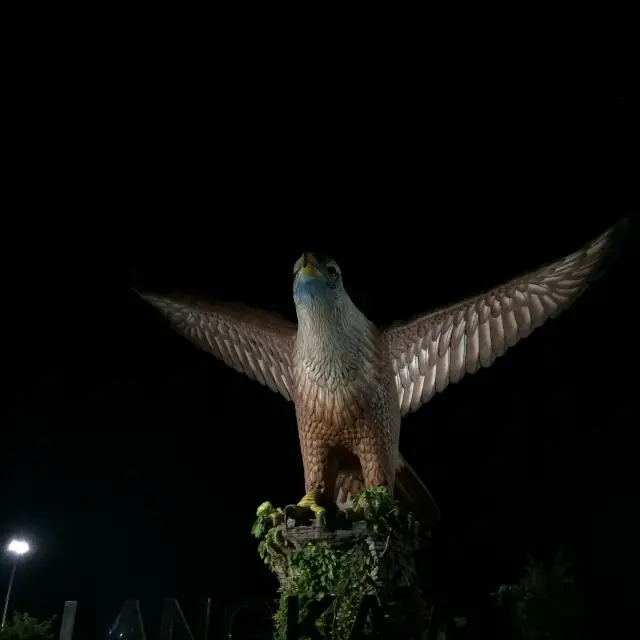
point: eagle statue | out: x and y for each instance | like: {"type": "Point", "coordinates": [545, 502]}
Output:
{"type": "Point", "coordinates": [351, 383]}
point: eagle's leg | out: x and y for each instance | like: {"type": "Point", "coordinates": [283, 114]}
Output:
{"type": "Point", "coordinates": [319, 481]}
{"type": "Point", "coordinates": [377, 471]}
{"type": "Point", "coordinates": [378, 468]}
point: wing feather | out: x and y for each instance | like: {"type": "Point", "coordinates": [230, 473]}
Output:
{"type": "Point", "coordinates": [438, 348]}
{"type": "Point", "coordinates": [250, 341]}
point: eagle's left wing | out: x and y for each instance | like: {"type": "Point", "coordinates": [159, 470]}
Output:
{"type": "Point", "coordinates": [254, 342]}
{"type": "Point", "coordinates": [435, 349]}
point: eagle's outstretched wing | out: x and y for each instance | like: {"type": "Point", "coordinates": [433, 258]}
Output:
{"type": "Point", "coordinates": [441, 346]}
{"type": "Point", "coordinates": [254, 342]}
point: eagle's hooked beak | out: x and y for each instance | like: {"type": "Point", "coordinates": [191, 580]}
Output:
{"type": "Point", "coordinates": [308, 266]}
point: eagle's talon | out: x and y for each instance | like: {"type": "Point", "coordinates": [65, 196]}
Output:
{"type": "Point", "coordinates": [308, 503]}
{"type": "Point", "coordinates": [290, 511]}
{"type": "Point", "coordinates": [320, 520]}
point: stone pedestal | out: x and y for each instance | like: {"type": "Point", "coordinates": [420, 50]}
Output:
{"type": "Point", "coordinates": [358, 574]}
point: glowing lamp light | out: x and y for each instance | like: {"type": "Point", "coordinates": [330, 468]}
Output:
{"type": "Point", "coordinates": [19, 547]}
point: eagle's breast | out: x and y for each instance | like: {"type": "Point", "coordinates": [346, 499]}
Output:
{"type": "Point", "coordinates": [338, 382]}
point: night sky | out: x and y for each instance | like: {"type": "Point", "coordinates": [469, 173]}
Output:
{"type": "Point", "coordinates": [134, 462]}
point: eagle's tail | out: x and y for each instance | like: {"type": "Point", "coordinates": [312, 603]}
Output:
{"type": "Point", "coordinates": [413, 493]}
{"type": "Point", "coordinates": [409, 490]}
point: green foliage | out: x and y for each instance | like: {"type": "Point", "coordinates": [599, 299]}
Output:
{"type": "Point", "coordinates": [267, 516]}
{"type": "Point", "coordinates": [544, 603]}
{"type": "Point", "coordinates": [23, 627]}
{"type": "Point", "coordinates": [381, 512]}
{"type": "Point", "coordinates": [318, 569]}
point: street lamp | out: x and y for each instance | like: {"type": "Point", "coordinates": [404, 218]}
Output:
{"type": "Point", "coordinates": [16, 548]}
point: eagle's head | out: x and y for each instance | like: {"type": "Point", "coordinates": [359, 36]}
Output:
{"type": "Point", "coordinates": [317, 281]}
{"type": "Point", "coordinates": [323, 306]}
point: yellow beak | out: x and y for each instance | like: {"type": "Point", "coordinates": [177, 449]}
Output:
{"type": "Point", "coordinates": [307, 266]}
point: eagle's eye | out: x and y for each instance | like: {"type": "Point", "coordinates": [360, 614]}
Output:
{"type": "Point", "coordinates": [333, 272]}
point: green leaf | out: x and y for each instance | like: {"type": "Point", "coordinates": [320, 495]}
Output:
{"type": "Point", "coordinates": [264, 509]}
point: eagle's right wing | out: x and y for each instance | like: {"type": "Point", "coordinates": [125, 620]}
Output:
{"type": "Point", "coordinates": [439, 347]}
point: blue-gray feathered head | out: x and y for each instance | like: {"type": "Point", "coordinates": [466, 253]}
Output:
{"type": "Point", "coordinates": [316, 279]}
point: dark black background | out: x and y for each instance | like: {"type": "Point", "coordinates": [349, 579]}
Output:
{"type": "Point", "coordinates": [432, 157]}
